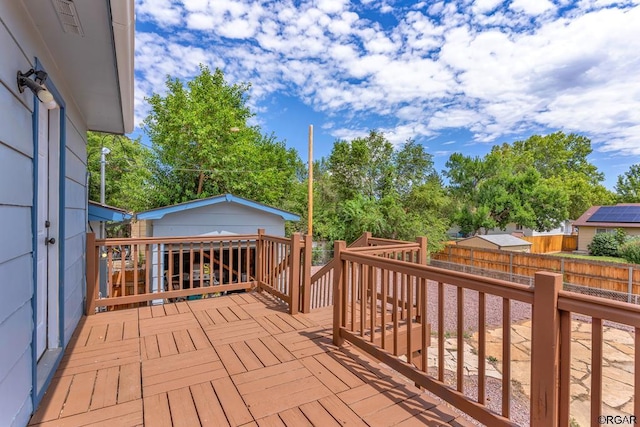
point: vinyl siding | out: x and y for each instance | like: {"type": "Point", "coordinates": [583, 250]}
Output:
{"type": "Point", "coordinates": [20, 44]}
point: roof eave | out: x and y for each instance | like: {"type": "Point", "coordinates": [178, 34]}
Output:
{"type": "Point", "coordinates": [123, 23]}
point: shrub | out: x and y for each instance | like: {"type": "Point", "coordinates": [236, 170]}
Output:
{"type": "Point", "coordinates": [630, 251]}
{"type": "Point", "coordinates": [604, 244]}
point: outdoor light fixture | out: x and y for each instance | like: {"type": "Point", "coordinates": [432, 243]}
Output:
{"type": "Point", "coordinates": [36, 85]}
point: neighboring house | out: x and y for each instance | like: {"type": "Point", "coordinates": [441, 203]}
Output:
{"type": "Point", "coordinates": [505, 242]}
{"type": "Point", "coordinates": [566, 228]}
{"type": "Point", "coordinates": [219, 215]}
{"type": "Point", "coordinates": [606, 219]}
{"type": "Point", "coordinates": [82, 52]}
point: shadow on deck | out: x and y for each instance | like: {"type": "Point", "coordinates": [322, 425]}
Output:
{"type": "Point", "coordinates": [237, 360]}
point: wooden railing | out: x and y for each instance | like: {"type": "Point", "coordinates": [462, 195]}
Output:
{"type": "Point", "coordinates": [154, 270]}
{"type": "Point", "coordinates": [381, 306]}
{"type": "Point", "coordinates": [321, 283]}
{"type": "Point", "coordinates": [284, 267]}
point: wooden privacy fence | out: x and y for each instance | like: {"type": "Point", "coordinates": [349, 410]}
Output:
{"type": "Point", "coordinates": [381, 306]}
{"type": "Point", "coordinates": [555, 243]}
{"type": "Point", "coordinates": [616, 277]}
{"type": "Point", "coordinates": [154, 270]}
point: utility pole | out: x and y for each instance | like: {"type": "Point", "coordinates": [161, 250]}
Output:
{"type": "Point", "coordinates": [310, 184]}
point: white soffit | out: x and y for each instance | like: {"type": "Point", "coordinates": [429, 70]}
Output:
{"type": "Point", "coordinates": [91, 45]}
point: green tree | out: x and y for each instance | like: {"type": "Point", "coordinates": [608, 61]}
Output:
{"type": "Point", "coordinates": [203, 145]}
{"type": "Point", "coordinates": [366, 185]}
{"type": "Point", "coordinates": [127, 172]}
{"type": "Point", "coordinates": [628, 185]}
{"type": "Point", "coordinates": [563, 158]}
{"type": "Point", "coordinates": [496, 190]}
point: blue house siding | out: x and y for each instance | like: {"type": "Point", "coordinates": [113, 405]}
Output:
{"type": "Point", "coordinates": [16, 258]}
{"type": "Point", "coordinates": [18, 394]}
{"type": "Point", "coordinates": [27, 41]}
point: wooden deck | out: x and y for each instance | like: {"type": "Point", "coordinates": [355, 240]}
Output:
{"type": "Point", "coordinates": [237, 360]}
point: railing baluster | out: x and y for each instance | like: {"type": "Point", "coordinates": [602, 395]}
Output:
{"type": "Point", "coordinates": [384, 278]}
{"type": "Point", "coordinates": [372, 291]}
{"type": "Point", "coordinates": [201, 264]}
{"type": "Point", "coordinates": [564, 403]}
{"type": "Point", "coordinates": [123, 273]}
{"type": "Point", "coordinates": [460, 340]}
{"type": "Point", "coordinates": [395, 313]}
{"type": "Point", "coordinates": [596, 370]}
{"type": "Point", "coordinates": [482, 356]}
{"type": "Point", "coordinates": [440, 332]}
{"type": "Point", "coordinates": [506, 357]}
{"type": "Point", "coordinates": [355, 290]}
{"type": "Point", "coordinates": [409, 319]}
{"type": "Point", "coordinates": [134, 262]}
{"type": "Point", "coordinates": [636, 373]}
{"type": "Point", "coordinates": [191, 263]}
{"type": "Point", "coordinates": [423, 320]}
{"type": "Point", "coordinates": [363, 300]}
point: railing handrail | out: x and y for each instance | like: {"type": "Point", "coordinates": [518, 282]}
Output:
{"type": "Point", "coordinates": [385, 248]}
{"type": "Point", "coordinates": [380, 241]}
{"type": "Point", "coordinates": [172, 239]}
{"type": "Point", "coordinates": [324, 270]}
{"type": "Point", "coordinates": [487, 285]}
{"type": "Point", "coordinates": [600, 308]}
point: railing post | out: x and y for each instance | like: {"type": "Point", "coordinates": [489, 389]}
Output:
{"type": "Point", "coordinates": [422, 252]}
{"type": "Point", "coordinates": [260, 258]}
{"type": "Point", "coordinates": [545, 349]}
{"type": "Point", "coordinates": [306, 275]}
{"type": "Point", "coordinates": [294, 274]}
{"type": "Point", "coordinates": [92, 274]}
{"type": "Point", "coordinates": [338, 284]}
{"type": "Point", "coordinates": [367, 237]}
{"type": "Point", "coordinates": [421, 283]}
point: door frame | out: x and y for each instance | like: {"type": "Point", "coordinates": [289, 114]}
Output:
{"type": "Point", "coordinates": [43, 369]}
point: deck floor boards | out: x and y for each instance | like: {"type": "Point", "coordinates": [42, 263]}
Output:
{"type": "Point", "coordinates": [236, 360]}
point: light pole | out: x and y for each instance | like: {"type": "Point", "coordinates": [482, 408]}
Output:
{"type": "Point", "coordinates": [103, 162]}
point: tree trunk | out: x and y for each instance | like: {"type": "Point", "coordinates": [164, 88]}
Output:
{"type": "Point", "coordinates": [200, 182]}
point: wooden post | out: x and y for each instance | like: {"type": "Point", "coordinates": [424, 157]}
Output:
{"type": "Point", "coordinates": [294, 276]}
{"type": "Point", "coordinates": [306, 279]}
{"type": "Point", "coordinates": [310, 185]}
{"type": "Point", "coordinates": [338, 285]}
{"type": "Point", "coordinates": [92, 273]}
{"type": "Point", "coordinates": [422, 253]}
{"type": "Point", "coordinates": [421, 283]}
{"type": "Point", "coordinates": [545, 349]}
{"type": "Point", "coordinates": [259, 258]}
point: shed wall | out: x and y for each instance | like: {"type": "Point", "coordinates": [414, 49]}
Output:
{"type": "Point", "coordinates": [476, 242]}
{"type": "Point", "coordinates": [218, 218]}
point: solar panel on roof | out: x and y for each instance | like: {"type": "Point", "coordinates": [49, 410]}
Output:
{"type": "Point", "coordinates": [624, 214]}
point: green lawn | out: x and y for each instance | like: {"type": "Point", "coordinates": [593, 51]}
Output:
{"type": "Point", "coordinates": [590, 257]}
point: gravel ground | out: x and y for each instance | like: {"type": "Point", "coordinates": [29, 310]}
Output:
{"type": "Point", "coordinates": [493, 309]}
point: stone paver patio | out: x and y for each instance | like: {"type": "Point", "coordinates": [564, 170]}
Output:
{"type": "Point", "coordinates": [618, 365]}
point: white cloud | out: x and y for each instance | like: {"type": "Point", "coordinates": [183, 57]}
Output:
{"type": "Point", "coordinates": [485, 6]}
{"type": "Point", "coordinates": [493, 68]}
{"type": "Point", "coordinates": [532, 7]}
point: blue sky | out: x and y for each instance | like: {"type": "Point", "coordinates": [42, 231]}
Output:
{"type": "Point", "coordinates": [456, 76]}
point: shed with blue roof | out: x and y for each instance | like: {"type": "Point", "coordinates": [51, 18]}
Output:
{"type": "Point", "coordinates": [219, 215]}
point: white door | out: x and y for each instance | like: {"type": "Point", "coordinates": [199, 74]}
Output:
{"type": "Point", "coordinates": [47, 227]}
